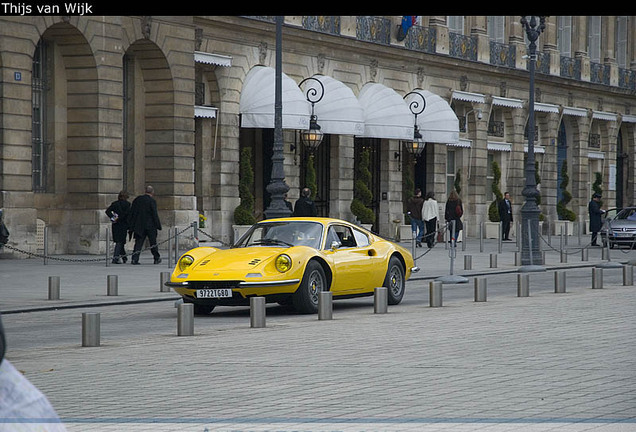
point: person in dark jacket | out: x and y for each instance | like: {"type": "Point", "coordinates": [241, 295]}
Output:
{"type": "Point", "coordinates": [144, 223]}
{"type": "Point", "coordinates": [594, 208]}
{"type": "Point", "coordinates": [414, 210]}
{"type": "Point", "coordinates": [505, 216]}
{"type": "Point", "coordinates": [453, 211]}
{"type": "Point", "coordinates": [117, 212]}
{"type": "Point", "coordinates": [304, 205]}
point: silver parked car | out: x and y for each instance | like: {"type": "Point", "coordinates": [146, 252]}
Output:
{"type": "Point", "coordinates": [620, 229]}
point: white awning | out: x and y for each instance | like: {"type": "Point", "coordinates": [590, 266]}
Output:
{"type": "Point", "coordinates": [576, 112]}
{"type": "Point", "coordinates": [499, 146]}
{"type": "Point", "coordinates": [507, 102]}
{"type": "Point", "coordinates": [469, 97]}
{"type": "Point", "coordinates": [386, 115]}
{"type": "Point", "coordinates": [257, 101]}
{"type": "Point", "coordinates": [600, 115]}
{"type": "Point", "coordinates": [438, 122]}
{"type": "Point", "coordinates": [204, 111]}
{"type": "Point", "coordinates": [339, 111]}
{"type": "Point", "coordinates": [215, 59]}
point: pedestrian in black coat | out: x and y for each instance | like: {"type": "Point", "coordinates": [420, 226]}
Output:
{"type": "Point", "coordinates": [304, 205]}
{"type": "Point", "coordinates": [453, 211]}
{"type": "Point", "coordinates": [144, 223]}
{"type": "Point", "coordinates": [594, 208]}
{"type": "Point", "coordinates": [505, 215]}
{"type": "Point", "coordinates": [117, 212]}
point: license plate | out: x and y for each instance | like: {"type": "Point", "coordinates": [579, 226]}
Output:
{"type": "Point", "coordinates": [623, 234]}
{"type": "Point", "coordinates": [214, 293]}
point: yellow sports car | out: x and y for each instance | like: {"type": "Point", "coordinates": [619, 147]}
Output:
{"type": "Point", "coordinates": [289, 261]}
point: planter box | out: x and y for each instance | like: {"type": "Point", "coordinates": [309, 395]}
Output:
{"type": "Point", "coordinates": [405, 233]}
{"type": "Point", "coordinates": [568, 227]}
{"type": "Point", "coordinates": [491, 230]}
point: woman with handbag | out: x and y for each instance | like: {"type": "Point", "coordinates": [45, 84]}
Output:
{"type": "Point", "coordinates": [453, 211]}
{"type": "Point", "coordinates": [117, 212]}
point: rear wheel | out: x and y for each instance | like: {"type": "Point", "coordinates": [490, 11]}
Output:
{"type": "Point", "coordinates": [395, 281]}
{"type": "Point", "coordinates": [305, 298]}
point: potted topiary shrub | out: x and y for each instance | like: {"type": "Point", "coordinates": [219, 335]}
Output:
{"type": "Point", "coordinates": [566, 216]}
{"type": "Point", "coordinates": [362, 195]}
{"type": "Point", "coordinates": [492, 226]}
{"type": "Point", "coordinates": [244, 213]}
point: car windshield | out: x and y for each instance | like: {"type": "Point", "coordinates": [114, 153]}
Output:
{"type": "Point", "coordinates": [284, 233]}
{"type": "Point", "coordinates": [627, 214]}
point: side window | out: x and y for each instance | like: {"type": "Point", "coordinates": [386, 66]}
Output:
{"type": "Point", "coordinates": [341, 234]}
{"type": "Point", "coordinates": [331, 237]}
{"type": "Point", "coordinates": [361, 238]}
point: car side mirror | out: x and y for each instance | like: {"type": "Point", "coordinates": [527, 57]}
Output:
{"type": "Point", "coordinates": [335, 245]}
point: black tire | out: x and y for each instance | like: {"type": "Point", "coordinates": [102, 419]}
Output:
{"type": "Point", "coordinates": [200, 309]}
{"type": "Point", "coordinates": [395, 281]}
{"type": "Point", "coordinates": [305, 299]}
{"type": "Point", "coordinates": [203, 309]}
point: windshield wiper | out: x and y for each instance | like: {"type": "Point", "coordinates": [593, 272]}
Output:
{"type": "Point", "coordinates": [272, 242]}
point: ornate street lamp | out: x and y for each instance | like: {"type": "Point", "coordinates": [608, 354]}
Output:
{"type": "Point", "coordinates": [531, 257]}
{"type": "Point", "coordinates": [416, 146]}
{"type": "Point", "coordinates": [312, 137]}
{"type": "Point", "coordinates": [277, 186]}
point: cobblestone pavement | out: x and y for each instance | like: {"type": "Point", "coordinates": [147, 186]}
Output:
{"type": "Point", "coordinates": [548, 362]}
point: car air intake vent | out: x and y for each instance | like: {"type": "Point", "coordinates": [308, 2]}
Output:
{"type": "Point", "coordinates": [214, 284]}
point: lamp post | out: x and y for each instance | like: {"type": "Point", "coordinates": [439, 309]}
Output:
{"type": "Point", "coordinates": [531, 257]}
{"type": "Point", "coordinates": [312, 137]}
{"type": "Point", "coordinates": [416, 146]}
{"type": "Point", "coordinates": [277, 186]}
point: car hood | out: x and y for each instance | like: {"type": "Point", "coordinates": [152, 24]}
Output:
{"type": "Point", "coordinates": [622, 223]}
{"type": "Point", "coordinates": [237, 259]}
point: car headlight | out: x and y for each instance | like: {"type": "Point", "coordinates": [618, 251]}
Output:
{"type": "Point", "coordinates": [283, 263]}
{"type": "Point", "coordinates": [185, 262]}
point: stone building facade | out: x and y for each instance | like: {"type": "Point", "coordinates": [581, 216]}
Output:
{"type": "Point", "coordinates": [96, 104]}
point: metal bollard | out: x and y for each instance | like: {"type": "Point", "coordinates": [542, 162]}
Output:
{"type": "Point", "coordinates": [111, 288]}
{"type": "Point", "coordinates": [435, 293]}
{"type": "Point", "coordinates": [523, 285]}
{"type": "Point", "coordinates": [564, 256]}
{"type": "Point", "coordinates": [597, 278]}
{"type": "Point", "coordinates": [584, 254]}
{"type": "Point", "coordinates": [468, 262]}
{"type": "Point", "coordinates": [517, 258]}
{"type": "Point", "coordinates": [493, 260]}
{"type": "Point", "coordinates": [185, 319]}
{"type": "Point", "coordinates": [604, 254]}
{"type": "Point", "coordinates": [54, 287]}
{"type": "Point", "coordinates": [163, 278]}
{"type": "Point", "coordinates": [559, 282]}
{"type": "Point", "coordinates": [381, 300]}
{"type": "Point", "coordinates": [481, 286]}
{"type": "Point", "coordinates": [628, 275]}
{"type": "Point", "coordinates": [257, 312]}
{"type": "Point", "coordinates": [325, 305]}
{"type": "Point", "coordinates": [90, 329]}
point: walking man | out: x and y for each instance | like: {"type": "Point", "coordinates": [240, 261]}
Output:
{"type": "Point", "coordinates": [144, 223]}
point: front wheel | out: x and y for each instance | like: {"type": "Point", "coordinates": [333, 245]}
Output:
{"type": "Point", "coordinates": [395, 281]}
{"type": "Point", "coordinates": [200, 309]}
{"type": "Point", "coordinates": [305, 298]}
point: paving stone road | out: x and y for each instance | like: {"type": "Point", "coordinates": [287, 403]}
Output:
{"type": "Point", "coordinates": [547, 362]}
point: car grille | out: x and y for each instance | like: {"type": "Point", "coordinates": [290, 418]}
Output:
{"type": "Point", "coordinates": [214, 284]}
